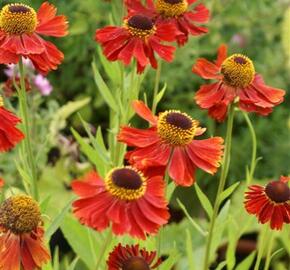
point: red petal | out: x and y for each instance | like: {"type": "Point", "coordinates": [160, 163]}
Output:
{"type": "Point", "coordinates": [49, 24]}
{"type": "Point", "coordinates": [206, 154]}
{"type": "Point", "coordinates": [144, 112]}
{"type": "Point", "coordinates": [138, 137]}
{"type": "Point", "coordinates": [181, 169]}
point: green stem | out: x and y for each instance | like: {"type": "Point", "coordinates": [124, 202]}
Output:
{"type": "Point", "coordinates": [254, 148]}
{"type": "Point", "coordinates": [222, 182]}
{"type": "Point", "coordinates": [27, 141]}
{"type": "Point", "coordinates": [269, 251]}
{"type": "Point", "coordinates": [104, 247]}
{"type": "Point", "coordinates": [261, 247]}
{"type": "Point", "coordinates": [156, 87]}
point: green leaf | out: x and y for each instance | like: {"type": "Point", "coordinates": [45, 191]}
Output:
{"type": "Point", "coordinates": [169, 190]}
{"type": "Point", "coordinates": [104, 89]}
{"type": "Point", "coordinates": [73, 264]}
{"type": "Point", "coordinates": [57, 221]}
{"type": "Point", "coordinates": [59, 119]}
{"type": "Point", "coordinates": [80, 241]}
{"type": "Point", "coordinates": [227, 192]}
{"type": "Point", "coordinates": [221, 265]}
{"type": "Point", "coordinates": [161, 93]}
{"type": "Point", "coordinates": [87, 149]}
{"type": "Point", "coordinates": [189, 251]}
{"type": "Point", "coordinates": [112, 69]}
{"type": "Point", "coordinates": [204, 201]}
{"type": "Point", "coordinates": [193, 223]}
{"type": "Point", "coordinates": [170, 261]}
{"type": "Point", "coordinates": [247, 262]}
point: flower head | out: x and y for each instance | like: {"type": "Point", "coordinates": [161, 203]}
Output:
{"type": "Point", "coordinates": [170, 142]}
{"type": "Point", "coordinates": [132, 258]}
{"type": "Point", "coordinates": [178, 13]}
{"type": "Point", "coordinates": [270, 203]}
{"type": "Point", "coordinates": [21, 234]}
{"type": "Point", "coordinates": [132, 202]}
{"type": "Point", "coordinates": [138, 38]}
{"type": "Point", "coordinates": [9, 134]}
{"type": "Point", "coordinates": [20, 30]}
{"type": "Point", "coordinates": [237, 81]}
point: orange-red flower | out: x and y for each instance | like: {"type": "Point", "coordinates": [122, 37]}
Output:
{"type": "Point", "coordinates": [179, 13]}
{"type": "Point", "coordinates": [138, 38]}
{"type": "Point", "coordinates": [128, 200]}
{"type": "Point", "coordinates": [20, 30]}
{"type": "Point", "coordinates": [270, 203]}
{"type": "Point", "coordinates": [171, 142]}
{"type": "Point", "coordinates": [2, 183]}
{"type": "Point", "coordinates": [236, 82]}
{"type": "Point", "coordinates": [9, 134]}
{"type": "Point", "coordinates": [21, 235]}
{"type": "Point", "coordinates": [132, 258]}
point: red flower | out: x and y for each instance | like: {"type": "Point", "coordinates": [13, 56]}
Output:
{"type": "Point", "coordinates": [271, 203]}
{"type": "Point", "coordinates": [2, 183]}
{"type": "Point", "coordinates": [9, 134]}
{"type": "Point", "coordinates": [176, 12]}
{"type": "Point", "coordinates": [21, 236]}
{"type": "Point", "coordinates": [139, 38]}
{"type": "Point", "coordinates": [171, 140]}
{"type": "Point", "coordinates": [132, 257]}
{"type": "Point", "coordinates": [19, 35]}
{"type": "Point", "coordinates": [130, 201]}
{"type": "Point", "coordinates": [236, 81]}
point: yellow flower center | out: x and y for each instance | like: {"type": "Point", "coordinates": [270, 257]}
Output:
{"type": "Point", "coordinates": [176, 128]}
{"type": "Point", "coordinates": [20, 214]}
{"type": "Point", "coordinates": [1, 101]}
{"type": "Point", "coordinates": [126, 183]}
{"type": "Point", "coordinates": [140, 26]}
{"type": "Point", "coordinates": [238, 71]}
{"type": "Point", "coordinates": [18, 19]}
{"type": "Point", "coordinates": [171, 8]}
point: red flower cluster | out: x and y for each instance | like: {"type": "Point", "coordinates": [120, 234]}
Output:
{"type": "Point", "coordinates": [176, 12]}
{"type": "Point", "coordinates": [170, 143]}
{"type": "Point", "coordinates": [146, 28]}
{"type": "Point", "coordinates": [236, 82]}
{"type": "Point", "coordinates": [126, 199]}
{"type": "Point", "coordinates": [20, 30]}
{"type": "Point", "coordinates": [270, 203]}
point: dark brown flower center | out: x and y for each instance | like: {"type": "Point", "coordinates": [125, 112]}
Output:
{"type": "Point", "coordinates": [278, 191]}
{"type": "Point", "coordinates": [179, 120]}
{"type": "Point", "coordinates": [18, 9]}
{"type": "Point", "coordinates": [135, 263]}
{"type": "Point", "coordinates": [173, 2]}
{"type": "Point", "coordinates": [127, 178]}
{"type": "Point", "coordinates": [240, 60]}
{"type": "Point", "coordinates": [140, 22]}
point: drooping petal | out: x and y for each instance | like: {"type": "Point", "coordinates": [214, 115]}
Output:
{"type": "Point", "coordinates": [181, 169]}
{"type": "Point", "coordinates": [206, 154]}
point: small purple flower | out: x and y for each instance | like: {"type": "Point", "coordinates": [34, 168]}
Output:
{"type": "Point", "coordinates": [43, 85]}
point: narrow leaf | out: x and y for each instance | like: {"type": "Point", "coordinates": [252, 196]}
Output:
{"type": "Point", "coordinates": [247, 263]}
{"type": "Point", "coordinates": [226, 193]}
{"type": "Point", "coordinates": [104, 89]}
{"type": "Point", "coordinates": [204, 201]}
